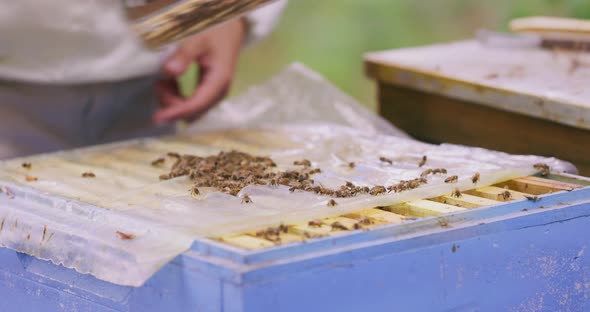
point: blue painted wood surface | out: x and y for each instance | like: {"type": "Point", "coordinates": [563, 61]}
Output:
{"type": "Point", "coordinates": [519, 256]}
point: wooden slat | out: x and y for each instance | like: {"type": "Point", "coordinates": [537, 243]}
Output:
{"type": "Point", "coordinates": [377, 215]}
{"type": "Point", "coordinates": [346, 222]}
{"type": "Point", "coordinates": [568, 178]}
{"type": "Point", "coordinates": [286, 238]}
{"type": "Point", "coordinates": [538, 186]}
{"type": "Point", "coordinates": [248, 242]}
{"type": "Point", "coordinates": [305, 229]}
{"type": "Point", "coordinates": [466, 201]}
{"type": "Point", "coordinates": [494, 193]}
{"type": "Point", "coordinates": [423, 208]}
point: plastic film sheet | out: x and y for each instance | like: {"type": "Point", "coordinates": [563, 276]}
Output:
{"type": "Point", "coordinates": [125, 224]}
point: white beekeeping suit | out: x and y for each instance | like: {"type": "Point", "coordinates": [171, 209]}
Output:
{"type": "Point", "coordinates": [73, 73]}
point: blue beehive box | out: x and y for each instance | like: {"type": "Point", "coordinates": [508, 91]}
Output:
{"type": "Point", "coordinates": [518, 255]}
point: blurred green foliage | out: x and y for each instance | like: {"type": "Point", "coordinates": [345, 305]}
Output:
{"type": "Point", "coordinates": [331, 36]}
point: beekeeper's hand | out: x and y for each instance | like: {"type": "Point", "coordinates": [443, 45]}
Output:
{"type": "Point", "coordinates": [216, 53]}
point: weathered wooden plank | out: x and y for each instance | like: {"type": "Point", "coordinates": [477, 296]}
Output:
{"type": "Point", "coordinates": [498, 193]}
{"type": "Point", "coordinates": [423, 208]}
{"type": "Point", "coordinates": [538, 186]}
{"type": "Point", "coordinates": [466, 201]}
{"type": "Point", "coordinates": [377, 215]}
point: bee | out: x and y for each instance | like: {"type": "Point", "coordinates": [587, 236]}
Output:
{"type": "Point", "coordinates": [195, 191]}
{"type": "Point", "coordinates": [443, 222]}
{"type": "Point", "coordinates": [379, 189]}
{"type": "Point", "coordinates": [506, 195]}
{"type": "Point", "coordinates": [475, 178]}
{"type": "Point", "coordinates": [415, 183]}
{"type": "Point", "coordinates": [423, 161]}
{"type": "Point", "coordinates": [246, 199]}
{"type": "Point", "coordinates": [332, 203]}
{"type": "Point", "coordinates": [338, 226]}
{"type": "Point", "coordinates": [304, 163]}
{"type": "Point", "coordinates": [27, 165]}
{"type": "Point", "coordinates": [6, 191]}
{"type": "Point", "coordinates": [439, 170]}
{"type": "Point", "coordinates": [386, 160]}
{"type": "Point", "coordinates": [533, 198]}
{"type": "Point", "coordinates": [351, 165]}
{"type": "Point", "coordinates": [29, 178]}
{"type": "Point", "coordinates": [88, 175]}
{"type": "Point", "coordinates": [284, 181]}
{"type": "Point", "coordinates": [425, 173]}
{"type": "Point", "coordinates": [174, 155]}
{"type": "Point", "coordinates": [349, 184]}
{"type": "Point", "coordinates": [393, 188]}
{"type": "Point", "coordinates": [315, 223]}
{"type": "Point", "coordinates": [283, 228]}
{"type": "Point", "coordinates": [260, 182]}
{"type": "Point", "coordinates": [316, 170]}
{"type": "Point", "coordinates": [365, 221]}
{"type": "Point", "coordinates": [456, 193]}
{"type": "Point", "coordinates": [125, 236]}
{"type": "Point", "coordinates": [543, 168]}
{"type": "Point", "coordinates": [452, 179]}
{"type": "Point", "coordinates": [158, 162]}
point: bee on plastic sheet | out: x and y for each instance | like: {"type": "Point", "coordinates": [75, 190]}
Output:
{"type": "Point", "coordinates": [423, 161]}
{"type": "Point", "coordinates": [125, 236]}
{"type": "Point", "coordinates": [27, 165]}
{"type": "Point", "coordinates": [425, 173]}
{"type": "Point", "coordinates": [475, 178]}
{"type": "Point", "coordinates": [304, 163]}
{"type": "Point", "coordinates": [173, 155]}
{"type": "Point", "coordinates": [88, 175]}
{"type": "Point", "coordinates": [456, 193]}
{"type": "Point", "coordinates": [7, 191]}
{"type": "Point", "coordinates": [351, 165]}
{"type": "Point", "coordinates": [379, 189]}
{"type": "Point", "coordinates": [29, 178]}
{"type": "Point", "coordinates": [195, 193]}
{"type": "Point", "coordinates": [158, 162]}
{"type": "Point", "coordinates": [439, 170]}
{"type": "Point", "coordinates": [452, 179]}
{"type": "Point", "coordinates": [386, 160]}
{"type": "Point", "coordinates": [315, 171]}
{"type": "Point", "coordinates": [332, 203]}
{"type": "Point", "coordinates": [544, 168]}
{"type": "Point", "coordinates": [533, 198]}
{"type": "Point", "coordinates": [246, 199]}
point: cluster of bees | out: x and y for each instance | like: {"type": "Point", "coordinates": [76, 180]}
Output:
{"type": "Point", "coordinates": [230, 172]}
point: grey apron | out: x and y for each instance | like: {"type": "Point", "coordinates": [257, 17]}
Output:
{"type": "Point", "coordinates": [44, 118]}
